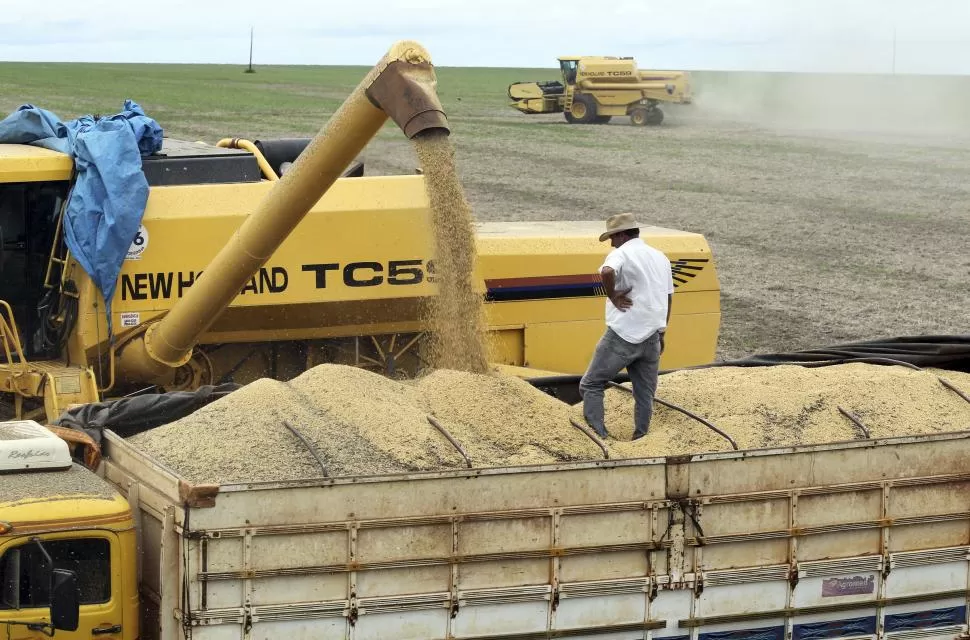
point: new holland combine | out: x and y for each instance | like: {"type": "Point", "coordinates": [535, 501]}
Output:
{"type": "Point", "coordinates": [250, 262]}
{"type": "Point", "coordinates": [594, 89]}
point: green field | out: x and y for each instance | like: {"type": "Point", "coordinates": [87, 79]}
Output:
{"type": "Point", "coordinates": [836, 206]}
{"type": "Point", "coordinates": [212, 101]}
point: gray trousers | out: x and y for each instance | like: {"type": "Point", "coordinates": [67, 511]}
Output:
{"type": "Point", "coordinates": [612, 355]}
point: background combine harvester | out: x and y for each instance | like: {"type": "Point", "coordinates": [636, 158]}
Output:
{"type": "Point", "coordinates": [596, 88]}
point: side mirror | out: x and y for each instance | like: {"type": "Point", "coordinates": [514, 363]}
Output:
{"type": "Point", "coordinates": [65, 605]}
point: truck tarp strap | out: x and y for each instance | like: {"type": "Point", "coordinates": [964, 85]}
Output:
{"type": "Point", "coordinates": [107, 201]}
{"type": "Point", "coordinates": [835, 628]}
{"type": "Point", "coordinates": [130, 416]}
{"type": "Point", "coordinates": [764, 633]}
{"type": "Point", "coordinates": [942, 352]}
{"type": "Point", "coordinates": [926, 619]}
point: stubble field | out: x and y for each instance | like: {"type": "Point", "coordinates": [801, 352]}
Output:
{"type": "Point", "coordinates": [837, 207]}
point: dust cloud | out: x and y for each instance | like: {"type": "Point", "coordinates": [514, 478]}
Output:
{"type": "Point", "coordinates": [899, 105]}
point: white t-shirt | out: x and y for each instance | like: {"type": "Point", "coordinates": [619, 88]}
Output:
{"type": "Point", "coordinates": [647, 273]}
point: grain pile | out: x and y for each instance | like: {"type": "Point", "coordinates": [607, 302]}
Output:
{"type": "Point", "coordinates": [788, 405]}
{"type": "Point", "coordinates": [359, 422]}
{"type": "Point", "coordinates": [504, 414]}
{"type": "Point", "coordinates": [457, 322]}
{"type": "Point", "coordinates": [76, 482]}
{"type": "Point", "coordinates": [362, 423]}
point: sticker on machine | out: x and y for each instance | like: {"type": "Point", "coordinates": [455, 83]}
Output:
{"type": "Point", "coordinates": [138, 245]}
{"type": "Point", "coordinates": [130, 319]}
{"type": "Point", "coordinates": [854, 586]}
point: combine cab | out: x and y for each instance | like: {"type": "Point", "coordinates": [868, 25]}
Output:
{"type": "Point", "coordinates": [594, 89]}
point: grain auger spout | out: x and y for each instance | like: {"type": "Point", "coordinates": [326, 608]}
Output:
{"type": "Point", "coordinates": [400, 87]}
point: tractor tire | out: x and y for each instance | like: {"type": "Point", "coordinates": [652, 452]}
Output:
{"type": "Point", "coordinates": [583, 109]}
{"type": "Point", "coordinates": [569, 118]}
{"type": "Point", "coordinates": [639, 116]}
{"type": "Point", "coordinates": [603, 119]}
{"type": "Point", "coordinates": [655, 117]}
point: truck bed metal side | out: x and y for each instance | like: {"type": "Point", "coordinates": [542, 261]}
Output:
{"type": "Point", "coordinates": [866, 539]}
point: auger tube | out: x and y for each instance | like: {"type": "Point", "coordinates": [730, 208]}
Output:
{"type": "Point", "coordinates": [402, 87]}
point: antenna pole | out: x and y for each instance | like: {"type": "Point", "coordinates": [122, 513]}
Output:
{"type": "Point", "coordinates": [894, 50]}
{"type": "Point", "coordinates": [250, 69]}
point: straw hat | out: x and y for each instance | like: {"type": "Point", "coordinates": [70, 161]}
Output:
{"type": "Point", "coordinates": [619, 222]}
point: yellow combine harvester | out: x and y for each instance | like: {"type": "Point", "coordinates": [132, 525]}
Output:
{"type": "Point", "coordinates": [310, 264]}
{"type": "Point", "coordinates": [596, 88]}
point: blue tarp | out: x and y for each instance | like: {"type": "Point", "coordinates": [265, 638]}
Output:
{"type": "Point", "coordinates": [108, 198]}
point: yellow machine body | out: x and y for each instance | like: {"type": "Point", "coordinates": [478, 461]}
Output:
{"type": "Point", "coordinates": [304, 263]}
{"type": "Point", "coordinates": [597, 88]}
{"type": "Point", "coordinates": [360, 264]}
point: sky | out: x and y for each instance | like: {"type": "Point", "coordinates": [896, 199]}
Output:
{"type": "Point", "coordinates": [851, 36]}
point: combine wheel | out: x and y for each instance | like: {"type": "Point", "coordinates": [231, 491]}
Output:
{"type": "Point", "coordinates": [569, 117]}
{"type": "Point", "coordinates": [583, 109]}
{"type": "Point", "coordinates": [398, 355]}
{"type": "Point", "coordinates": [643, 116]}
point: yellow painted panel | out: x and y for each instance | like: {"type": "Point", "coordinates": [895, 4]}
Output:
{"type": "Point", "coordinates": [568, 346]}
{"type": "Point", "coordinates": [562, 346]}
{"type": "Point", "coordinates": [70, 511]}
{"type": "Point", "coordinates": [26, 163]}
{"type": "Point", "coordinates": [507, 346]}
{"type": "Point", "coordinates": [691, 340]}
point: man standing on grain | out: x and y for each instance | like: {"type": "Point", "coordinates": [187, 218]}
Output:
{"type": "Point", "coordinates": [639, 284]}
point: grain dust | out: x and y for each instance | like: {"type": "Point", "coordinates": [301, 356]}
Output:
{"type": "Point", "coordinates": [457, 322]}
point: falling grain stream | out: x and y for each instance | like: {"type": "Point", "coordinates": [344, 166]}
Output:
{"type": "Point", "coordinates": [457, 323]}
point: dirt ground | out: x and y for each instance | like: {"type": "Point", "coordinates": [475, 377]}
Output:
{"type": "Point", "coordinates": [836, 205]}
{"type": "Point", "coordinates": [828, 224]}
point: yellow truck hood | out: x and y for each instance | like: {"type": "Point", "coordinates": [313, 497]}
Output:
{"type": "Point", "coordinates": [35, 501]}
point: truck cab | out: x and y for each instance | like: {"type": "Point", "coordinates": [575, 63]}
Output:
{"type": "Point", "coordinates": [67, 544]}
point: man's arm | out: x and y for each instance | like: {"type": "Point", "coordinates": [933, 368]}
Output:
{"type": "Point", "coordinates": [663, 334]}
{"type": "Point", "coordinates": [618, 298]}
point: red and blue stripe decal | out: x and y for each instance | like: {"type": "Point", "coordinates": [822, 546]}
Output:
{"type": "Point", "coordinates": [543, 287]}
{"type": "Point", "coordinates": [579, 285]}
